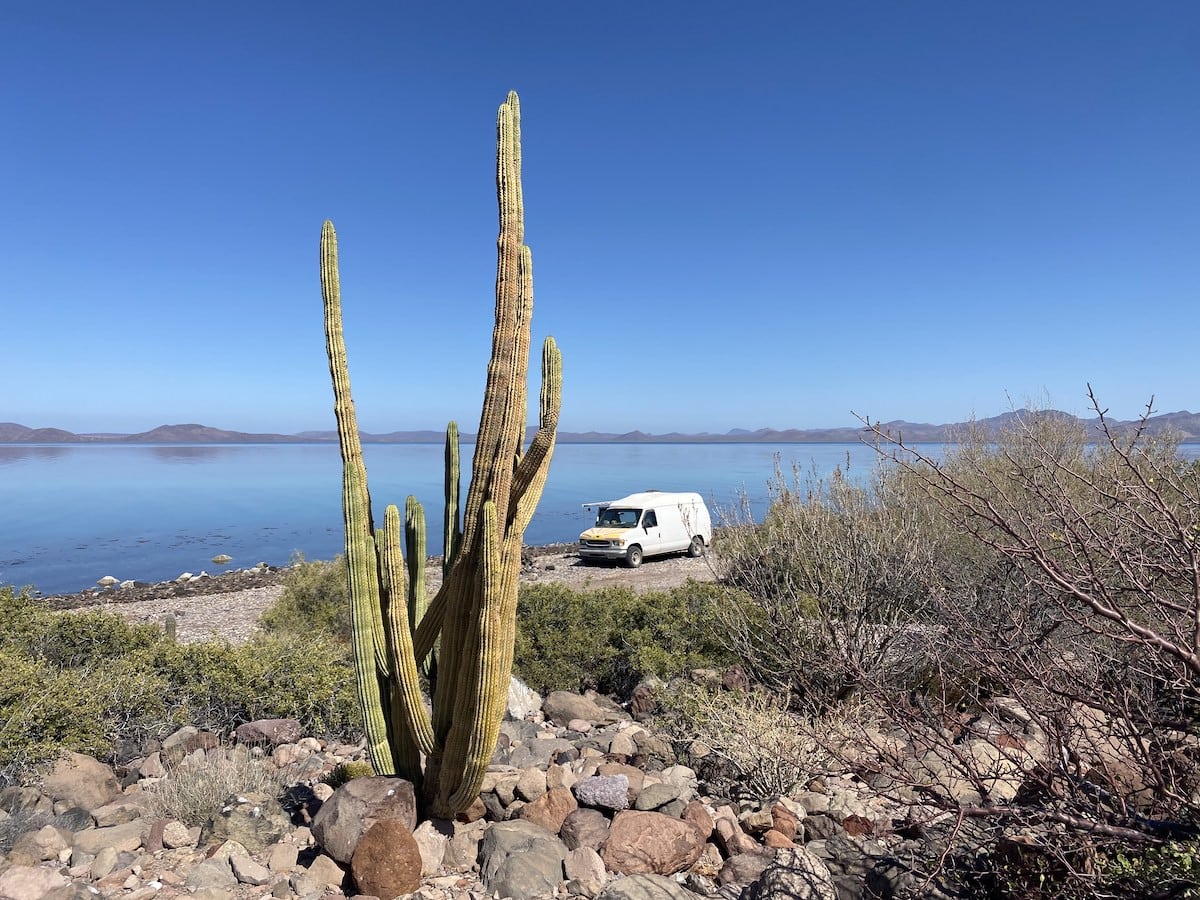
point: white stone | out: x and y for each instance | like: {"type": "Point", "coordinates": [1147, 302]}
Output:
{"type": "Point", "coordinates": [107, 581]}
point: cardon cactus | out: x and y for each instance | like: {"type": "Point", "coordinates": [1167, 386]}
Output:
{"type": "Point", "coordinates": [472, 618]}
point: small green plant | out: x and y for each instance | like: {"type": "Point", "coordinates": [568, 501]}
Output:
{"type": "Point", "coordinates": [348, 771]}
{"type": "Point", "coordinates": [1169, 870]}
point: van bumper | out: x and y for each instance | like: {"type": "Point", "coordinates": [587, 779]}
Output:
{"type": "Point", "coordinates": [593, 551]}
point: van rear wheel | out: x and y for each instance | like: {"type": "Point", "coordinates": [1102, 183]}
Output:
{"type": "Point", "coordinates": [633, 557]}
{"type": "Point", "coordinates": [696, 548]}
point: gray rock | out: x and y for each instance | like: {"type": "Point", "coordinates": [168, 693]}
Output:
{"type": "Point", "coordinates": [584, 828]}
{"type": "Point", "coordinates": [254, 819]}
{"type": "Point", "coordinates": [585, 872]}
{"type": "Point", "coordinates": [247, 871]}
{"type": "Point", "coordinates": [520, 859]}
{"type": "Point", "coordinates": [795, 874]}
{"type": "Point", "coordinates": [646, 887]}
{"type": "Point", "coordinates": [357, 805]}
{"type": "Point", "coordinates": [603, 791]}
{"type": "Point", "coordinates": [270, 731]}
{"type": "Point", "coordinates": [30, 882]}
{"type": "Point", "coordinates": [212, 873]}
{"type": "Point", "coordinates": [127, 836]}
{"type": "Point", "coordinates": [654, 796]}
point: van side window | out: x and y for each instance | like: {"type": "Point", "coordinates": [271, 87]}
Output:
{"type": "Point", "coordinates": [651, 520]}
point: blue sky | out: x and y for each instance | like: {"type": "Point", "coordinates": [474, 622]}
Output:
{"type": "Point", "coordinates": [741, 215]}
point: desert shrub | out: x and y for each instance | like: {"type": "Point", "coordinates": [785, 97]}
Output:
{"type": "Point", "coordinates": [315, 597]}
{"type": "Point", "coordinates": [840, 577]}
{"type": "Point", "coordinates": [348, 771]}
{"type": "Point", "coordinates": [609, 639]}
{"type": "Point", "coordinates": [752, 743]}
{"type": "Point", "coordinates": [218, 686]}
{"type": "Point", "coordinates": [93, 683]}
{"type": "Point", "coordinates": [194, 790]}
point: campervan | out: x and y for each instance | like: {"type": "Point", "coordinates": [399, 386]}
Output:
{"type": "Point", "coordinates": [646, 524]}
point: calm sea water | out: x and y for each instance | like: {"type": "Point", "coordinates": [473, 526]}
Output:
{"type": "Point", "coordinates": [70, 514]}
{"type": "Point", "coordinates": [74, 513]}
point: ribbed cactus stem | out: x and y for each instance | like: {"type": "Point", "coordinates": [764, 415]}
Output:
{"type": "Point", "coordinates": [474, 613]}
{"type": "Point", "coordinates": [361, 559]}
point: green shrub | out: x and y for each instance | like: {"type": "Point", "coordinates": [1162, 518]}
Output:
{"type": "Point", "coordinates": [315, 598]}
{"type": "Point", "coordinates": [609, 639]}
{"type": "Point", "coordinates": [93, 683]}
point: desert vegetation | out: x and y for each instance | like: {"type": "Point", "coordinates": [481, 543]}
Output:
{"type": "Point", "coordinates": [1007, 634]}
{"type": "Point", "coordinates": [1002, 639]}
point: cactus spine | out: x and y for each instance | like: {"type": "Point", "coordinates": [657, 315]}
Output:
{"type": "Point", "coordinates": [473, 614]}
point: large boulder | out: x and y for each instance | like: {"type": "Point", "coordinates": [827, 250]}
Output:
{"type": "Point", "coordinates": [80, 780]}
{"type": "Point", "coordinates": [521, 859]}
{"type": "Point", "coordinates": [646, 887]}
{"type": "Point", "coordinates": [793, 875]}
{"type": "Point", "coordinates": [357, 805]}
{"type": "Point", "coordinates": [387, 860]}
{"type": "Point", "coordinates": [649, 842]}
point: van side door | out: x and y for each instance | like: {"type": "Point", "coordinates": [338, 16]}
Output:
{"type": "Point", "coordinates": [651, 533]}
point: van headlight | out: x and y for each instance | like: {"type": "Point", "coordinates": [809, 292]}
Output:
{"type": "Point", "coordinates": [618, 542]}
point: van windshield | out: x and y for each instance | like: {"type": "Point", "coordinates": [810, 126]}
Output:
{"type": "Point", "coordinates": [612, 517]}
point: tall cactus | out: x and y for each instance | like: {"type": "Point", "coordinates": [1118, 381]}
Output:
{"type": "Point", "coordinates": [473, 614]}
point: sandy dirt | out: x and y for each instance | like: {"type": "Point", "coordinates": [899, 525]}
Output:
{"type": "Point", "coordinates": [228, 606]}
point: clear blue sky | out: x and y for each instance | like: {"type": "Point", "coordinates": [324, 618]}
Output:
{"type": "Point", "coordinates": [741, 215]}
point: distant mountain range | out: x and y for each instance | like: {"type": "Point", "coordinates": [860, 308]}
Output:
{"type": "Point", "coordinates": [1184, 424]}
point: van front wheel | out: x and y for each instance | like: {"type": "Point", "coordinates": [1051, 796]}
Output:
{"type": "Point", "coordinates": [696, 548]}
{"type": "Point", "coordinates": [633, 557]}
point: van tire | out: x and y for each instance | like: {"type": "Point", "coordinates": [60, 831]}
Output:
{"type": "Point", "coordinates": [696, 547]}
{"type": "Point", "coordinates": [633, 556]}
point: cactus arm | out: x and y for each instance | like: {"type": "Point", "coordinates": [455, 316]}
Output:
{"type": "Point", "coordinates": [534, 466]}
{"type": "Point", "coordinates": [418, 598]}
{"type": "Point", "coordinates": [361, 558]}
{"type": "Point", "coordinates": [451, 529]}
{"type": "Point", "coordinates": [412, 728]}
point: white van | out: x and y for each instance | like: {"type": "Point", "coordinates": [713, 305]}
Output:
{"type": "Point", "coordinates": [646, 524]}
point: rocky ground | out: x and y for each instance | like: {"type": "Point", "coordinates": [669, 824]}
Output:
{"type": "Point", "coordinates": [580, 802]}
{"type": "Point", "coordinates": [228, 605]}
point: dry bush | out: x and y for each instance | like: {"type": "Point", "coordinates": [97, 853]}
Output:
{"type": "Point", "coordinates": [839, 579]}
{"type": "Point", "coordinates": [752, 743]}
{"type": "Point", "coordinates": [195, 789]}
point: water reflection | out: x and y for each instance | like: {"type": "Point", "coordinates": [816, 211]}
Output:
{"type": "Point", "coordinates": [174, 453]}
{"type": "Point", "coordinates": [10, 454]}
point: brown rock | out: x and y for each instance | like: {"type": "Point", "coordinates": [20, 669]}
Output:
{"type": "Point", "coordinates": [387, 861]}
{"type": "Point", "coordinates": [777, 840]}
{"type": "Point", "coordinates": [649, 842]}
{"type": "Point", "coordinates": [270, 731]}
{"type": "Point", "coordinates": [730, 837]}
{"type": "Point", "coordinates": [745, 867]}
{"type": "Point", "coordinates": [551, 809]}
{"type": "Point", "coordinates": [473, 813]}
{"type": "Point", "coordinates": [80, 780]}
{"type": "Point", "coordinates": [857, 826]}
{"type": "Point", "coordinates": [784, 820]}
{"type": "Point", "coordinates": [584, 828]}
{"type": "Point", "coordinates": [695, 813]}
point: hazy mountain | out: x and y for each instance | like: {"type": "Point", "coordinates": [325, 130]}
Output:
{"type": "Point", "coordinates": [1183, 423]}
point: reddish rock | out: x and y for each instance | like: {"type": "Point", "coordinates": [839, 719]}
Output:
{"type": "Point", "coordinates": [649, 842]}
{"type": "Point", "coordinates": [551, 809]}
{"type": "Point", "coordinates": [730, 837]}
{"type": "Point", "coordinates": [698, 816]}
{"type": "Point", "coordinates": [784, 820]}
{"type": "Point", "coordinates": [387, 861]}
{"type": "Point", "coordinates": [857, 826]}
{"type": "Point", "coordinates": [270, 731]}
{"type": "Point", "coordinates": [473, 813]}
{"type": "Point", "coordinates": [777, 840]}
